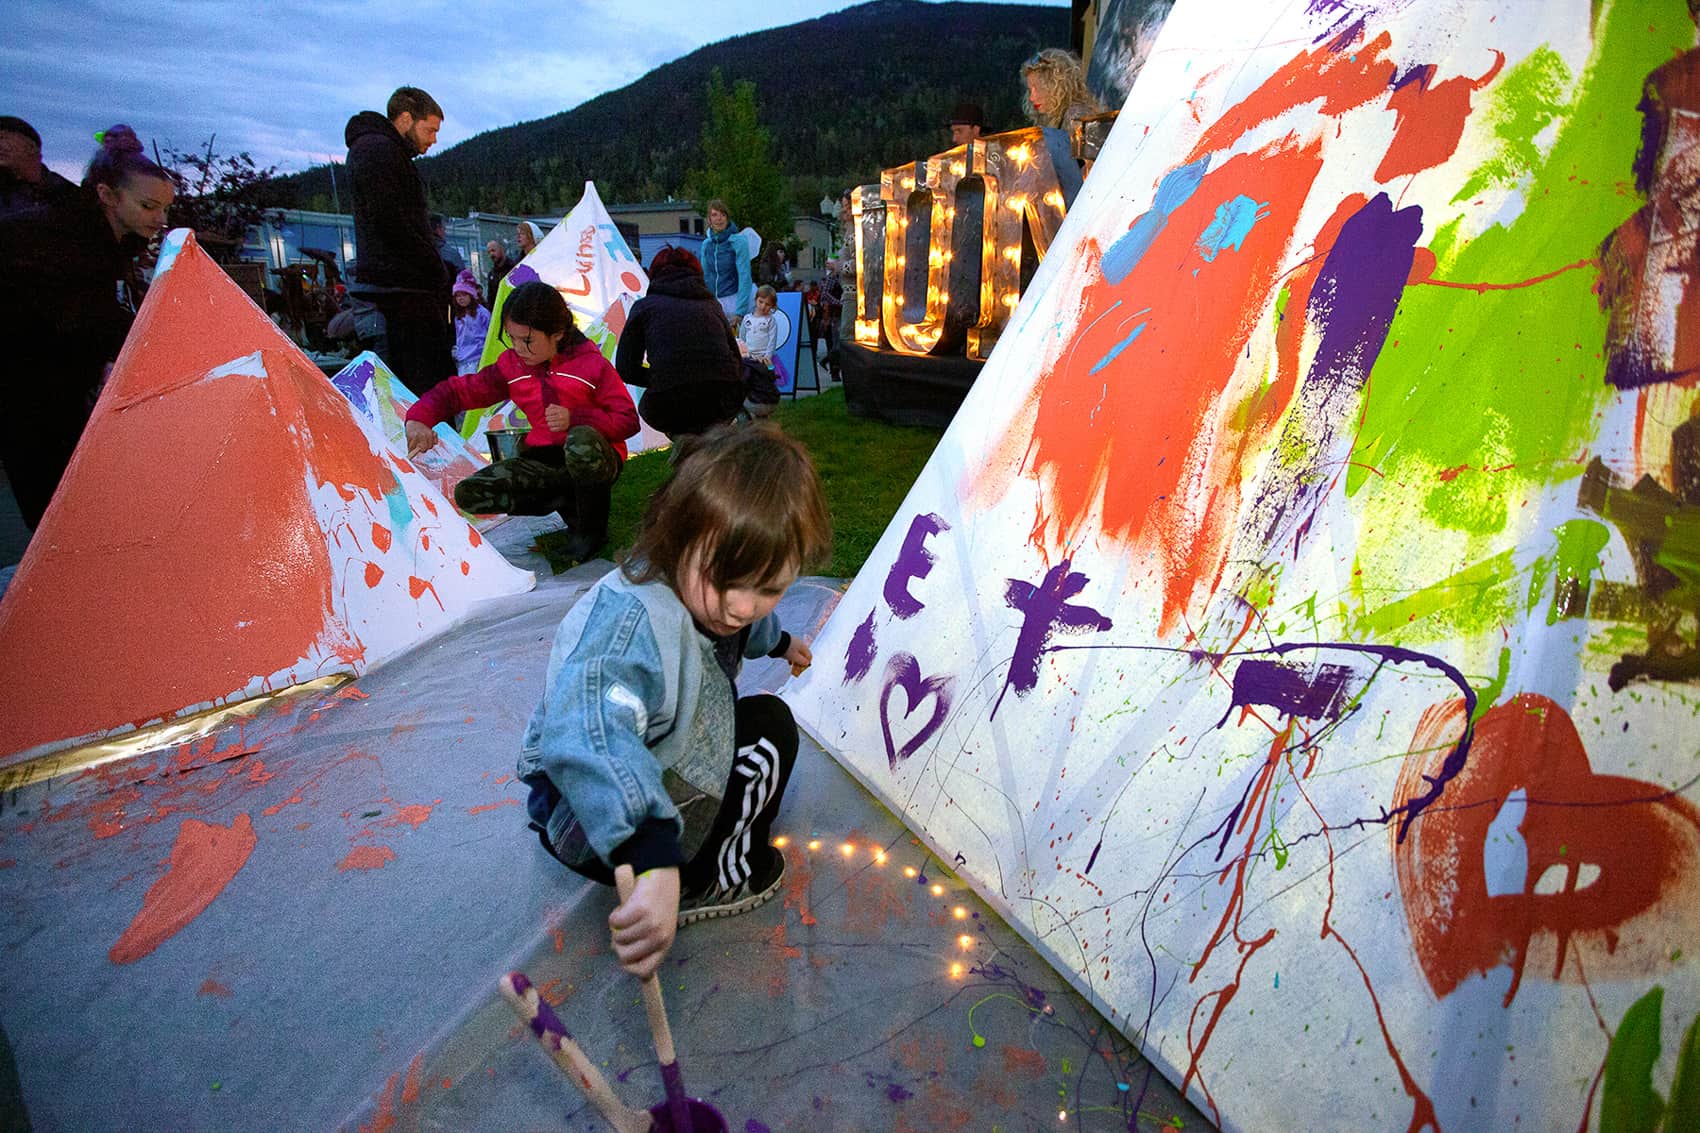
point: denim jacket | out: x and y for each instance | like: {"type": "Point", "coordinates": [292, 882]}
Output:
{"type": "Point", "coordinates": [637, 717]}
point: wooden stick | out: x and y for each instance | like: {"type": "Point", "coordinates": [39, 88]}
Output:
{"type": "Point", "coordinates": [677, 1107]}
{"type": "Point", "coordinates": [536, 1014]}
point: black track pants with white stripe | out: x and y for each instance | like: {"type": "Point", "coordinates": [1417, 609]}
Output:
{"type": "Point", "coordinates": [737, 842]}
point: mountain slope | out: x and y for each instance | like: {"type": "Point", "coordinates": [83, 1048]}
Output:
{"type": "Point", "coordinates": [842, 97]}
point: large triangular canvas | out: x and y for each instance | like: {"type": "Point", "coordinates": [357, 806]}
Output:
{"type": "Point", "coordinates": [229, 526]}
{"type": "Point", "coordinates": [1295, 632]}
{"type": "Point", "coordinates": [587, 260]}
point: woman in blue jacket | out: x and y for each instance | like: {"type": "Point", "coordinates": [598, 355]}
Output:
{"type": "Point", "coordinates": [726, 263]}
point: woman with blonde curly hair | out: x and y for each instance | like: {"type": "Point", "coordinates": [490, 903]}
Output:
{"type": "Point", "coordinates": [1057, 95]}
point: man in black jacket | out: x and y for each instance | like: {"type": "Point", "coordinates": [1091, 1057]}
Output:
{"type": "Point", "coordinates": [397, 265]}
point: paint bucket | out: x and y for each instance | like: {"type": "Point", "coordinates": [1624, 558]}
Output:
{"type": "Point", "coordinates": [704, 1118]}
{"type": "Point", "coordinates": [505, 444]}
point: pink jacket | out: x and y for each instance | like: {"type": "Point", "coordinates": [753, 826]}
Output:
{"type": "Point", "coordinates": [579, 378]}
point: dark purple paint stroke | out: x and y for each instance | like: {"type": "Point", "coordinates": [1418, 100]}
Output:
{"type": "Point", "coordinates": [913, 561]}
{"type": "Point", "coordinates": [1046, 610]}
{"type": "Point", "coordinates": [544, 1022]}
{"type": "Point", "coordinates": [859, 657]}
{"type": "Point", "coordinates": [904, 672]}
{"type": "Point", "coordinates": [896, 1093]}
{"type": "Point", "coordinates": [353, 382]}
{"type": "Point", "coordinates": [524, 273]}
{"type": "Point", "coordinates": [1290, 689]}
{"type": "Point", "coordinates": [1395, 654]}
{"type": "Point", "coordinates": [1352, 302]}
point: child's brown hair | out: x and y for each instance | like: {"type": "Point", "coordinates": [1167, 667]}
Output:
{"type": "Point", "coordinates": [745, 496]}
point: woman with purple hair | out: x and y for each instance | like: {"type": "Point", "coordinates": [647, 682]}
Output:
{"type": "Point", "coordinates": [64, 309]}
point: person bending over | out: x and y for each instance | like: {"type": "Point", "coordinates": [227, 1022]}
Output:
{"type": "Point", "coordinates": [580, 416]}
{"type": "Point", "coordinates": [678, 344]}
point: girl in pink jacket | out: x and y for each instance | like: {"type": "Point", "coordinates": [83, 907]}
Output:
{"type": "Point", "coordinates": [578, 408]}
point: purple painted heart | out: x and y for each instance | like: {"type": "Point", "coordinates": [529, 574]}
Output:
{"type": "Point", "coordinates": [904, 672]}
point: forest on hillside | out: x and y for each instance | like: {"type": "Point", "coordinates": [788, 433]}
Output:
{"type": "Point", "coordinates": [842, 96]}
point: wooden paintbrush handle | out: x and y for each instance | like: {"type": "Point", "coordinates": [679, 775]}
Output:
{"type": "Point", "coordinates": [566, 1053]}
{"type": "Point", "coordinates": [625, 881]}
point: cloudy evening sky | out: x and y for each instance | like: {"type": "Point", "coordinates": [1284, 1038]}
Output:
{"type": "Point", "coordinates": [280, 79]}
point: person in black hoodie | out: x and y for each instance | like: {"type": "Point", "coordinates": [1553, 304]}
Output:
{"type": "Point", "coordinates": [694, 378]}
{"type": "Point", "coordinates": [66, 266]}
{"type": "Point", "coordinates": [398, 268]}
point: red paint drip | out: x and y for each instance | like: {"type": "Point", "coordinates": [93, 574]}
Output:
{"type": "Point", "coordinates": [366, 857]}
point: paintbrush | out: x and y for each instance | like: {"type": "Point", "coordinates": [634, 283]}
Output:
{"type": "Point", "coordinates": [678, 1106]}
{"type": "Point", "coordinates": [553, 1037]}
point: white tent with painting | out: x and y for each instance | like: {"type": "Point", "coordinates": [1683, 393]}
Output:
{"type": "Point", "coordinates": [587, 260]}
{"type": "Point", "coordinates": [1295, 631]}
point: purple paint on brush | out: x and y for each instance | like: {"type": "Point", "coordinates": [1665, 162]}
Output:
{"type": "Point", "coordinates": [1290, 688]}
{"type": "Point", "coordinates": [913, 561]}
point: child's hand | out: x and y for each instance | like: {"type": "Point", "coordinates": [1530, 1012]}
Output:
{"type": "Point", "coordinates": [643, 925]}
{"type": "Point", "coordinates": [558, 417]}
{"type": "Point", "coordinates": [800, 656]}
{"type": "Point", "coordinates": [420, 438]}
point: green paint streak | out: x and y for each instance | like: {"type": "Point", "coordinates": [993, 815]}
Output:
{"type": "Point", "coordinates": [1465, 603]}
{"type": "Point", "coordinates": [1685, 1090]}
{"type": "Point", "coordinates": [1628, 1102]}
{"type": "Point", "coordinates": [1526, 101]}
{"type": "Point", "coordinates": [1509, 380]}
{"type": "Point", "coordinates": [1576, 557]}
{"type": "Point", "coordinates": [1488, 695]}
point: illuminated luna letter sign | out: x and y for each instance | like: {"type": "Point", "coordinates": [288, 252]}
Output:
{"type": "Point", "coordinates": [944, 245]}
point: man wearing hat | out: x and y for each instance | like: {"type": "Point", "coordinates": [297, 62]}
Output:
{"type": "Point", "coordinates": [965, 123]}
{"type": "Point", "coordinates": [26, 183]}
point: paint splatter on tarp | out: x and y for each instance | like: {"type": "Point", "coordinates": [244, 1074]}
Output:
{"type": "Point", "coordinates": [1355, 404]}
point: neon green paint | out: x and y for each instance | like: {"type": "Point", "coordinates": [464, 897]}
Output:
{"type": "Point", "coordinates": [1464, 603]}
{"type": "Point", "coordinates": [1488, 695]}
{"type": "Point", "coordinates": [1490, 396]}
{"type": "Point", "coordinates": [1685, 1087]}
{"type": "Point", "coordinates": [1576, 558]}
{"type": "Point", "coordinates": [1530, 96]}
{"type": "Point", "coordinates": [1628, 1102]}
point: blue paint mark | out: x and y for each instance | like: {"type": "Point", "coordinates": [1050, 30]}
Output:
{"type": "Point", "coordinates": [1505, 856]}
{"type": "Point", "coordinates": [401, 510]}
{"type": "Point", "coordinates": [1117, 349]}
{"type": "Point", "coordinates": [168, 249]}
{"type": "Point", "coordinates": [1176, 188]}
{"type": "Point", "coordinates": [614, 244]}
{"type": "Point", "coordinates": [1277, 980]}
{"type": "Point", "coordinates": [1233, 223]}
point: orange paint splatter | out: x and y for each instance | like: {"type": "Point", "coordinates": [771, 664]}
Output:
{"type": "Point", "coordinates": [472, 535]}
{"type": "Point", "coordinates": [410, 1088]}
{"type": "Point", "coordinates": [385, 1119]}
{"type": "Point", "coordinates": [366, 857]}
{"type": "Point", "coordinates": [380, 537]}
{"type": "Point", "coordinates": [1023, 1061]}
{"type": "Point", "coordinates": [413, 815]}
{"type": "Point", "coordinates": [204, 859]}
{"type": "Point", "coordinates": [213, 987]}
{"type": "Point", "coordinates": [1429, 120]}
{"type": "Point", "coordinates": [417, 586]}
{"type": "Point", "coordinates": [492, 806]}
{"type": "Point", "coordinates": [465, 567]}
{"type": "Point", "coordinates": [374, 574]}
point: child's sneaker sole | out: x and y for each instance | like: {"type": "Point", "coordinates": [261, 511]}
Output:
{"type": "Point", "coordinates": [730, 904]}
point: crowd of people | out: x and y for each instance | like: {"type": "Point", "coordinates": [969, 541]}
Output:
{"type": "Point", "coordinates": [641, 678]}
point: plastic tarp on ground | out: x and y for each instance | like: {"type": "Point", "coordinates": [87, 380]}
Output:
{"type": "Point", "coordinates": [229, 526]}
{"type": "Point", "coordinates": [377, 393]}
{"type": "Point", "coordinates": [1296, 630]}
{"type": "Point", "coordinates": [298, 923]}
{"type": "Point", "coordinates": [587, 260]}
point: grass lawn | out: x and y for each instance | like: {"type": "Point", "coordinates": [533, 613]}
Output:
{"type": "Point", "coordinates": [866, 468]}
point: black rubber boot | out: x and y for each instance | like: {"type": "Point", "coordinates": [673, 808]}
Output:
{"type": "Point", "coordinates": [588, 530]}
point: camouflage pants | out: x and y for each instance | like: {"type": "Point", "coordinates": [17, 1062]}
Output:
{"type": "Point", "coordinates": [533, 484]}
